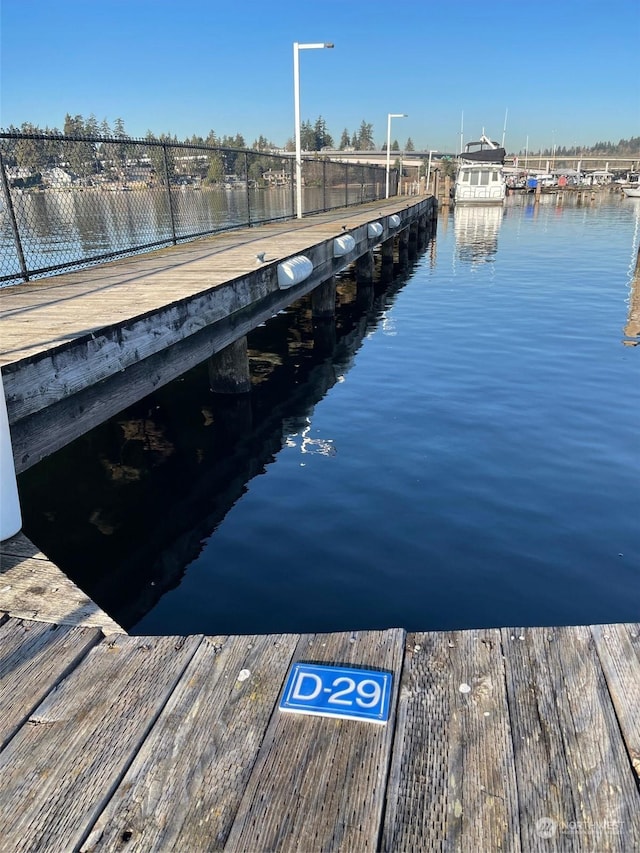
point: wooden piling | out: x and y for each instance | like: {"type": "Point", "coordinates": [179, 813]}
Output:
{"type": "Point", "coordinates": [323, 299]}
{"type": "Point", "coordinates": [229, 369]}
{"type": "Point", "coordinates": [403, 247]}
{"type": "Point", "coordinates": [364, 269]}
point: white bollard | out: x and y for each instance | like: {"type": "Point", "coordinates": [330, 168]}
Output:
{"type": "Point", "coordinates": [10, 516]}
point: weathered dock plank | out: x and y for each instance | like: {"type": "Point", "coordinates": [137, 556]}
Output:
{"type": "Point", "coordinates": [504, 739]}
{"type": "Point", "coordinates": [544, 783]}
{"type": "Point", "coordinates": [32, 587]}
{"type": "Point", "coordinates": [35, 656]}
{"type": "Point", "coordinates": [184, 788]}
{"type": "Point", "coordinates": [318, 783]}
{"type": "Point", "coordinates": [586, 798]}
{"type": "Point", "coordinates": [452, 784]}
{"type": "Point", "coordinates": [618, 648]}
{"type": "Point", "coordinates": [62, 766]}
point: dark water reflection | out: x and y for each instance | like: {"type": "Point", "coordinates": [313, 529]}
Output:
{"type": "Point", "coordinates": [154, 482]}
{"type": "Point", "coordinates": [460, 450]}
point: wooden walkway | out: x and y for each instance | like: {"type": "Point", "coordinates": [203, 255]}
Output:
{"type": "Point", "coordinates": [498, 740]}
{"type": "Point", "coordinates": [132, 325]}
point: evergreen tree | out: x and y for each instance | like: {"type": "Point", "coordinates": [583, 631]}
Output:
{"type": "Point", "coordinates": [322, 138]}
{"type": "Point", "coordinates": [29, 153]}
{"type": "Point", "coordinates": [81, 156]}
{"type": "Point", "coordinates": [365, 136]}
{"type": "Point", "coordinates": [409, 146]}
{"type": "Point", "coordinates": [91, 126]}
{"type": "Point", "coordinates": [307, 136]}
{"type": "Point", "coordinates": [118, 129]}
{"type": "Point", "coordinates": [345, 142]}
{"type": "Point", "coordinates": [395, 146]}
{"type": "Point", "coordinates": [161, 165]}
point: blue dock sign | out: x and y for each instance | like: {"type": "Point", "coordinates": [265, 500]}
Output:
{"type": "Point", "coordinates": [338, 691]}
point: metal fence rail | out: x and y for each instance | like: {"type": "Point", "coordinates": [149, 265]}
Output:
{"type": "Point", "coordinates": [71, 201]}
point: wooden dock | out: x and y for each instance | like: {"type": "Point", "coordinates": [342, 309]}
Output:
{"type": "Point", "coordinates": [79, 347]}
{"type": "Point", "coordinates": [504, 739]}
{"type": "Point", "coordinates": [512, 739]}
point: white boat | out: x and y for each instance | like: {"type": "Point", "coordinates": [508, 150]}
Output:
{"type": "Point", "coordinates": [632, 192]}
{"type": "Point", "coordinates": [480, 177]}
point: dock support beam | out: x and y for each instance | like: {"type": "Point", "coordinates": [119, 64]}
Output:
{"type": "Point", "coordinates": [229, 369]}
{"type": "Point", "coordinates": [364, 269]}
{"type": "Point", "coordinates": [323, 299]}
{"type": "Point", "coordinates": [403, 247]}
{"type": "Point", "coordinates": [422, 231]}
{"type": "Point", "coordinates": [386, 256]}
{"type": "Point", "coordinates": [413, 239]}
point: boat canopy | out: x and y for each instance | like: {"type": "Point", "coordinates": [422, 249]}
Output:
{"type": "Point", "coordinates": [485, 150]}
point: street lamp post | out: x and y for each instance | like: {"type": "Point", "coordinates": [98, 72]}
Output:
{"type": "Point", "coordinates": [389, 117]}
{"type": "Point", "coordinates": [296, 98]}
{"type": "Point", "coordinates": [431, 151]}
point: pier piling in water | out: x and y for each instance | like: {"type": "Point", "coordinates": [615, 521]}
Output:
{"type": "Point", "coordinates": [323, 299]}
{"type": "Point", "coordinates": [229, 369]}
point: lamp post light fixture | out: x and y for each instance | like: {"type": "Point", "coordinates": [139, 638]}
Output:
{"type": "Point", "coordinates": [389, 117]}
{"type": "Point", "coordinates": [296, 98]}
{"type": "Point", "coordinates": [431, 151]}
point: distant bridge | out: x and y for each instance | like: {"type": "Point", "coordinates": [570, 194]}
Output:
{"type": "Point", "coordinates": [549, 162]}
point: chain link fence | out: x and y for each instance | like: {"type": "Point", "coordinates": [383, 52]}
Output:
{"type": "Point", "coordinates": [67, 201]}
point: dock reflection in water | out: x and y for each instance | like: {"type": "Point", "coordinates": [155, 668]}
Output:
{"type": "Point", "coordinates": [632, 328]}
{"type": "Point", "coordinates": [152, 484]}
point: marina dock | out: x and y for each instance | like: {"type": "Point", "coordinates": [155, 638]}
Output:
{"type": "Point", "coordinates": [81, 346]}
{"type": "Point", "coordinates": [501, 739]}
{"type": "Point", "coordinates": [497, 739]}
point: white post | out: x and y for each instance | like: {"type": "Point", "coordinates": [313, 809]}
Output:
{"type": "Point", "coordinates": [10, 517]}
{"type": "Point", "coordinates": [296, 108]}
{"type": "Point", "coordinates": [389, 117]}
{"type": "Point", "coordinates": [431, 151]}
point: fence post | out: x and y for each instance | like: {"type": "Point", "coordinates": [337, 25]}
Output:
{"type": "Point", "coordinates": [12, 219]}
{"type": "Point", "coordinates": [10, 517]}
{"type": "Point", "coordinates": [324, 185]}
{"type": "Point", "coordinates": [170, 200]}
{"type": "Point", "coordinates": [346, 185]}
{"type": "Point", "coordinates": [293, 188]}
{"type": "Point", "coordinates": [246, 176]}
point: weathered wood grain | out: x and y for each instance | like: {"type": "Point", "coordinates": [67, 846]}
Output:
{"type": "Point", "coordinates": [32, 587]}
{"type": "Point", "coordinates": [18, 546]}
{"type": "Point", "coordinates": [544, 784]}
{"type": "Point", "coordinates": [618, 648]}
{"type": "Point", "coordinates": [183, 790]}
{"type": "Point", "coordinates": [319, 783]}
{"type": "Point", "coordinates": [605, 797]}
{"type": "Point", "coordinates": [452, 785]}
{"type": "Point", "coordinates": [35, 656]}
{"type": "Point", "coordinates": [62, 766]}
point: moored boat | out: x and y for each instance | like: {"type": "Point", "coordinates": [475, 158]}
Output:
{"type": "Point", "coordinates": [480, 177]}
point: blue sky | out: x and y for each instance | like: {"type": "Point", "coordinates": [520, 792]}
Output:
{"type": "Point", "coordinates": [561, 72]}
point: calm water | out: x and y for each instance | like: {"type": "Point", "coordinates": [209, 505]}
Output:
{"type": "Point", "coordinates": [468, 454]}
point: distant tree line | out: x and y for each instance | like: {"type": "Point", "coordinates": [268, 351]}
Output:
{"type": "Point", "coordinates": [313, 136]}
{"type": "Point", "coordinates": [91, 156]}
{"type": "Point", "coordinates": [622, 148]}
{"type": "Point", "coordinates": [86, 158]}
